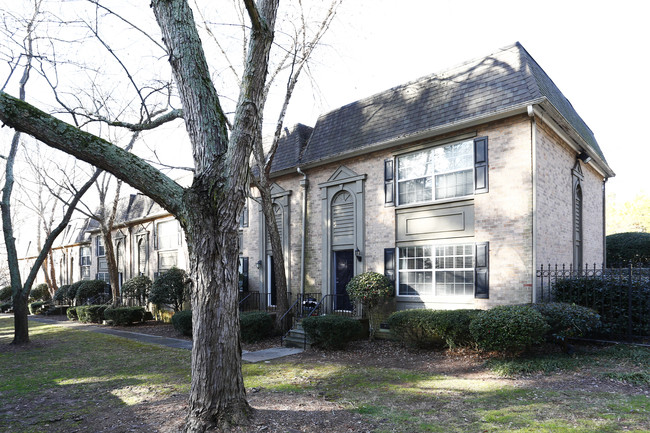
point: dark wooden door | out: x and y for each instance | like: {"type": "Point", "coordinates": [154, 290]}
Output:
{"type": "Point", "coordinates": [344, 271]}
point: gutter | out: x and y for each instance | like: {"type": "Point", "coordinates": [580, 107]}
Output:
{"type": "Point", "coordinates": [304, 184]}
{"type": "Point", "coordinates": [533, 162]}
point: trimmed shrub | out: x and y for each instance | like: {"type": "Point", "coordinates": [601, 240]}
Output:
{"type": "Point", "coordinates": [170, 289]}
{"type": "Point", "coordinates": [331, 331]}
{"type": "Point", "coordinates": [5, 294]}
{"type": "Point", "coordinates": [73, 289]}
{"type": "Point", "coordinates": [5, 306]}
{"type": "Point", "coordinates": [120, 316]}
{"type": "Point", "coordinates": [608, 295]}
{"type": "Point", "coordinates": [508, 328]}
{"type": "Point", "coordinates": [255, 326]}
{"type": "Point", "coordinates": [91, 313]}
{"type": "Point", "coordinates": [626, 248]}
{"type": "Point", "coordinates": [371, 289]}
{"type": "Point", "coordinates": [137, 288]}
{"type": "Point", "coordinates": [61, 295]}
{"type": "Point", "coordinates": [72, 313]}
{"type": "Point", "coordinates": [568, 320]}
{"type": "Point", "coordinates": [433, 328]}
{"type": "Point", "coordinates": [38, 307]}
{"type": "Point", "coordinates": [40, 293]}
{"type": "Point", "coordinates": [182, 322]}
{"type": "Point", "coordinates": [89, 289]}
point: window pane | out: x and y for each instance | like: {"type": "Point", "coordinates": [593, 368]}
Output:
{"type": "Point", "coordinates": [415, 276]}
{"type": "Point", "coordinates": [457, 156]}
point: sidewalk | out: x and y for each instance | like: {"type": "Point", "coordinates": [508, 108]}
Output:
{"type": "Point", "coordinates": [176, 343]}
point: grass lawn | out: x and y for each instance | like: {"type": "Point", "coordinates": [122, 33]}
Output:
{"type": "Point", "coordinates": [70, 380]}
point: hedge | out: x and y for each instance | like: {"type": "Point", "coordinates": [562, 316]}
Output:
{"type": "Point", "coordinates": [432, 328]}
{"type": "Point", "coordinates": [182, 322]}
{"type": "Point", "coordinates": [331, 331]}
{"type": "Point", "coordinates": [72, 313]}
{"type": "Point", "coordinates": [38, 307]}
{"type": "Point", "coordinates": [120, 316]}
{"type": "Point", "coordinates": [5, 294]}
{"type": "Point", "coordinates": [91, 313]}
{"type": "Point", "coordinates": [568, 320]}
{"type": "Point", "coordinates": [40, 293]}
{"type": "Point", "coordinates": [626, 248]}
{"type": "Point", "coordinates": [255, 326]}
{"type": "Point", "coordinates": [90, 289]}
{"type": "Point", "coordinates": [508, 329]}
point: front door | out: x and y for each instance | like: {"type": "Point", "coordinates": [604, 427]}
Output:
{"type": "Point", "coordinates": [344, 271]}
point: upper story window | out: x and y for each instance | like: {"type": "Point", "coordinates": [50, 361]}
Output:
{"type": "Point", "coordinates": [99, 246]}
{"type": "Point", "coordinates": [84, 262]}
{"type": "Point", "coordinates": [167, 235]}
{"type": "Point", "coordinates": [436, 173]}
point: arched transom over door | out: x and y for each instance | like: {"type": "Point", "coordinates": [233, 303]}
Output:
{"type": "Point", "coordinates": [343, 232]}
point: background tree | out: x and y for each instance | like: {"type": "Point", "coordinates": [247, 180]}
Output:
{"type": "Point", "coordinates": [632, 215]}
{"type": "Point", "coordinates": [170, 289]}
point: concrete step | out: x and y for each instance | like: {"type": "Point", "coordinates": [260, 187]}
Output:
{"type": "Point", "coordinates": [296, 337]}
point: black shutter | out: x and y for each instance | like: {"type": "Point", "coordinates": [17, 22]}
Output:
{"type": "Point", "coordinates": [482, 280]}
{"type": "Point", "coordinates": [244, 271]}
{"type": "Point", "coordinates": [481, 165]}
{"type": "Point", "coordinates": [389, 182]}
{"type": "Point", "coordinates": [389, 264]}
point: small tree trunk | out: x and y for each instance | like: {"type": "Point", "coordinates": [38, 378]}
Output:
{"type": "Point", "coordinates": [113, 274]}
{"type": "Point", "coordinates": [278, 254]}
{"type": "Point", "coordinates": [53, 287]}
{"type": "Point", "coordinates": [21, 324]}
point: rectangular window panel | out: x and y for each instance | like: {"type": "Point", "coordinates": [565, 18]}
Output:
{"type": "Point", "coordinates": [435, 174]}
{"type": "Point", "coordinates": [167, 260]}
{"type": "Point", "coordinates": [167, 235]}
{"type": "Point", "coordinates": [415, 271]}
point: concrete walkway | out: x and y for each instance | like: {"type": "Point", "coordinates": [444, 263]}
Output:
{"type": "Point", "coordinates": [177, 343]}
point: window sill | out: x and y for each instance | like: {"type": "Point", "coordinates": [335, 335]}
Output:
{"type": "Point", "coordinates": [437, 202]}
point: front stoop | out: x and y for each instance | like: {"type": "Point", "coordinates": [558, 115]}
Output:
{"type": "Point", "coordinates": [296, 337]}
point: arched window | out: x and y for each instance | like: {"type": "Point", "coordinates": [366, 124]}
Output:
{"type": "Point", "coordinates": [577, 226]}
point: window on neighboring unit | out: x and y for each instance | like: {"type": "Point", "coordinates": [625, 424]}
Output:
{"type": "Point", "coordinates": [167, 235]}
{"type": "Point", "coordinates": [102, 270]}
{"type": "Point", "coordinates": [436, 270]}
{"type": "Point", "coordinates": [99, 246]}
{"type": "Point", "coordinates": [84, 262]}
{"type": "Point", "coordinates": [167, 260]}
{"type": "Point", "coordinates": [436, 173]}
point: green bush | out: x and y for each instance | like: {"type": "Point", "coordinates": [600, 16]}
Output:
{"type": "Point", "coordinates": [91, 313]}
{"type": "Point", "coordinates": [73, 289]}
{"type": "Point", "coordinates": [137, 288]}
{"type": "Point", "coordinates": [5, 294]}
{"type": "Point", "coordinates": [608, 296]}
{"type": "Point", "coordinates": [38, 307]}
{"type": "Point", "coordinates": [255, 326]}
{"type": "Point", "coordinates": [371, 289]}
{"type": "Point", "coordinates": [331, 331]}
{"type": "Point", "coordinates": [40, 293]}
{"type": "Point", "coordinates": [170, 289]}
{"type": "Point", "coordinates": [120, 316]}
{"type": "Point", "coordinates": [568, 320]}
{"type": "Point", "coordinates": [182, 321]}
{"type": "Point", "coordinates": [626, 248]}
{"type": "Point", "coordinates": [61, 295]}
{"type": "Point", "coordinates": [508, 329]}
{"type": "Point", "coordinates": [89, 289]}
{"type": "Point", "coordinates": [72, 313]}
{"type": "Point", "coordinates": [432, 328]}
{"type": "Point", "coordinates": [5, 306]}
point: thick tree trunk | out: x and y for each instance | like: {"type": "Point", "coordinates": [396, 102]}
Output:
{"type": "Point", "coordinates": [21, 324]}
{"type": "Point", "coordinates": [279, 273]}
{"type": "Point", "coordinates": [53, 286]}
{"type": "Point", "coordinates": [217, 396]}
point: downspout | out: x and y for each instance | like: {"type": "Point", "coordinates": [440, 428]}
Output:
{"type": "Point", "coordinates": [304, 184]}
{"type": "Point", "coordinates": [604, 225]}
{"type": "Point", "coordinates": [533, 147]}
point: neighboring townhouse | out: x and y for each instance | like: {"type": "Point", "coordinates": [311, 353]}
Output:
{"type": "Point", "coordinates": [147, 241]}
{"type": "Point", "coordinates": [457, 186]}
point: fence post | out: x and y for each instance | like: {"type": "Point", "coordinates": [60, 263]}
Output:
{"type": "Point", "coordinates": [629, 304]}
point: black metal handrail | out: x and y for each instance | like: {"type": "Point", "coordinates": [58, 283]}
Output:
{"type": "Point", "coordinates": [329, 303]}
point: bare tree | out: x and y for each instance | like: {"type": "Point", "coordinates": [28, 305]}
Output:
{"type": "Point", "coordinates": [295, 60]}
{"type": "Point", "coordinates": [208, 211]}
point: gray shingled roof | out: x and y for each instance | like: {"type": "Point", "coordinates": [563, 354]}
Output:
{"type": "Point", "coordinates": [290, 147]}
{"type": "Point", "coordinates": [506, 79]}
{"type": "Point", "coordinates": [134, 207]}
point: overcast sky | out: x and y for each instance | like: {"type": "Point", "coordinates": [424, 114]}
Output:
{"type": "Point", "coordinates": [596, 52]}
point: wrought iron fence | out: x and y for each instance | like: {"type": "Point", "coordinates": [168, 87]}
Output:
{"type": "Point", "coordinates": [620, 295]}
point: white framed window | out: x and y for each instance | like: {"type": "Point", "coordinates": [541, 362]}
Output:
{"type": "Point", "coordinates": [99, 246]}
{"type": "Point", "coordinates": [167, 235]}
{"type": "Point", "coordinates": [436, 173]}
{"type": "Point", "coordinates": [167, 260]}
{"type": "Point", "coordinates": [84, 262]}
{"type": "Point", "coordinates": [436, 270]}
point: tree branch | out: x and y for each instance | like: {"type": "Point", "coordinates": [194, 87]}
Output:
{"type": "Point", "coordinates": [26, 118]}
{"type": "Point", "coordinates": [256, 19]}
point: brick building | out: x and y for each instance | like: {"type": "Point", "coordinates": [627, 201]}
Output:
{"type": "Point", "coordinates": [457, 186]}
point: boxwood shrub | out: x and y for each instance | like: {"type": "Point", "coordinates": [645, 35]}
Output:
{"type": "Point", "coordinates": [255, 326]}
{"type": "Point", "coordinates": [91, 313]}
{"type": "Point", "coordinates": [182, 322]}
{"type": "Point", "coordinates": [120, 316]}
{"type": "Point", "coordinates": [331, 331]}
{"type": "Point", "coordinates": [40, 293]}
{"type": "Point", "coordinates": [432, 328]}
{"type": "Point", "coordinates": [38, 307]}
{"type": "Point", "coordinates": [89, 289]}
{"type": "Point", "coordinates": [509, 329]}
{"type": "Point", "coordinates": [62, 295]}
{"type": "Point", "coordinates": [568, 320]}
{"type": "Point", "coordinates": [5, 294]}
{"type": "Point", "coordinates": [5, 306]}
{"type": "Point", "coordinates": [72, 313]}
